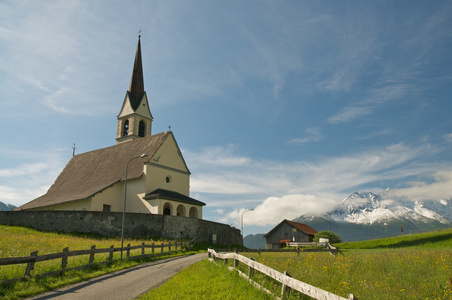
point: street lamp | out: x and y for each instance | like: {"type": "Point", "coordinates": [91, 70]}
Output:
{"type": "Point", "coordinates": [125, 197]}
{"type": "Point", "coordinates": [241, 219]}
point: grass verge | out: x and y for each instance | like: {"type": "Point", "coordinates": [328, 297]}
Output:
{"type": "Point", "coordinates": [206, 280]}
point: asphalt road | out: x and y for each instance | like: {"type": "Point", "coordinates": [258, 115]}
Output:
{"type": "Point", "coordinates": [125, 284]}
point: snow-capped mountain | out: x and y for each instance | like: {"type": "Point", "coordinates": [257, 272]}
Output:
{"type": "Point", "coordinates": [368, 208]}
{"type": "Point", "coordinates": [364, 215]}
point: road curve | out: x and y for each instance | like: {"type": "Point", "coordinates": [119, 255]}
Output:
{"type": "Point", "coordinates": [125, 284]}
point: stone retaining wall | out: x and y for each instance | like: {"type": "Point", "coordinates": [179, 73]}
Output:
{"type": "Point", "coordinates": [136, 225]}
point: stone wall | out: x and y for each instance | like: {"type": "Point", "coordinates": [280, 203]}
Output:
{"type": "Point", "coordinates": [136, 225]}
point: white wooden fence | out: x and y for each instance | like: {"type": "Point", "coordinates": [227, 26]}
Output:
{"type": "Point", "coordinates": [286, 281]}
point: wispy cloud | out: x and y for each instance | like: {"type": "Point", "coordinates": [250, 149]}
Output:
{"type": "Point", "coordinates": [280, 190]}
{"type": "Point", "coordinates": [313, 135]}
{"type": "Point", "coordinates": [436, 186]}
{"type": "Point", "coordinates": [31, 178]}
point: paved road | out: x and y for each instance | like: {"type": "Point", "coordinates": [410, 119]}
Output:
{"type": "Point", "coordinates": [125, 284]}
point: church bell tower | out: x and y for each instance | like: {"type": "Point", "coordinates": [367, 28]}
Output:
{"type": "Point", "coordinates": [135, 118]}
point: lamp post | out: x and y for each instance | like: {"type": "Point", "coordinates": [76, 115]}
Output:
{"type": "Point", "coordinates": [241, 219]}
{"type": "Point", "coordinates": [125, 197]}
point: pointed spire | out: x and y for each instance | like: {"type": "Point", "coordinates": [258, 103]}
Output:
{"type": "Point", "coordinates": [136, 88]}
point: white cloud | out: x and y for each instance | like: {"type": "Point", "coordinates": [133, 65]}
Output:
{"type": "Point", "coordinates": [349, 113]}
{"type": "Point", "coordinates": [313, 135]}
{"type": "Point", "coordinates": [28, 180]}
{"type": "Point", "coordinates": [283, 190]}
{"type": "Point", "coordinates": [448, 137]}
{"type": "Point", "coordinates": [274, 209]}
{"type": "Point", "coordinates": [438, 186]}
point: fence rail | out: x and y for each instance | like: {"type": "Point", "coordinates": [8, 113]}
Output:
{"type": "Point", "coordinates": [286, 281]}
{"type": "Point", "coordinates": [34, 257]}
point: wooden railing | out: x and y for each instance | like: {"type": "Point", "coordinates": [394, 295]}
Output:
{"type": "Point", "coordinates": [286, 281]}
{"type": "Point", "coordinates": [156, 250]}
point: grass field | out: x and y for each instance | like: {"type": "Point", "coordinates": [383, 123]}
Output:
{"type": "Point", "coordinates": [20, 241]}
{"type": "Point", "coordinates": [407, 267]}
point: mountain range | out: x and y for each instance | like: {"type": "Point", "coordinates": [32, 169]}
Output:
{"type": "Point", "coordinates": [365, 215]}
{"type": "Point", "coordinates": [4, 207]}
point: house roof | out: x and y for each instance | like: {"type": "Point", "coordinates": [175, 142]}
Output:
{"type": "Point", "coordinates": [89, 173]}
{"type": "Point", "coordinates": [171, 195]}
{"type": "Point", "coordinates": [303, 227]}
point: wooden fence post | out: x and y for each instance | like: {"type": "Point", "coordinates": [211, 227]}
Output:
{"type": "Point", "coordinates": [31, 264]}
{"type": "Point", "coordinates": [112, 249]}
{"type": "Point", "coordinates": [250, 270]}
{"type": "Point", "coordinates": [64, 258]}
{"type": "Point", "coordinates": [284, 289]}
{"type": "Point", "coordinates": [128, 250]}
{"type": "Point", "coordinates": [91, 255]}
{"type": "Point", "coordinates": [162, 247]}
{"type": "Point", "coordinates": [236, 261]}
{"type": "Point", "coordinates": [153, 247]}
{"type": "Point", "coordinates": [142, 248]}
{"type": "Point", "coordinates": [298, 250]}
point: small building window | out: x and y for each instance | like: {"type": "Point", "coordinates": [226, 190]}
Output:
{"type": "Point", "coordinates": [168, 179]}
{"type": "Point", "coordinates": [125, 128]}
{"type": "Point", "coordinates": [106, 208]}
{"type": "Point", "coordinates": [141, 129]}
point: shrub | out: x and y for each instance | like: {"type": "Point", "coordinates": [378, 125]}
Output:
{"type": "Point", "coordinates": [333, 237]}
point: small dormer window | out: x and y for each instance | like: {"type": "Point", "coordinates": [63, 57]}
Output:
{"type": "Point", "coordinates": [125, 128]}
{"type": "Point", "coordinates": [141, 129]}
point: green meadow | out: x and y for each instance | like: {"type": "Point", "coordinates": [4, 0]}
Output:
{"type": "Point", "coordinates": [21, 241]}
{"type": "Point", "coordinates": [406, 267]}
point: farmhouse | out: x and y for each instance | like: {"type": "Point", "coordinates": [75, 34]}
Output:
{"type": "Point", "coordinates": [147, 168]}
{"type": "Point", "coordinates": [288, 231]}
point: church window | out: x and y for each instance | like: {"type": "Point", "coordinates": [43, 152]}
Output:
{"type": "Point", "coordinates": [168, 179]}
{"type": "Point", "coordinates": [125, 128]}
{"type": "Point", "coordinates": [193, 212]}
{"type": "Point", "coordinates": [167, 209]}
{"type": "Point", "coordinates": [181, 211]}
{"type": "Point", "coordinates": [106, 207]}
{"type": "Point", "coordinates": [141, 129]}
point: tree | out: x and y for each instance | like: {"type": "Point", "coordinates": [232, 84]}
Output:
{"type": "Point", "coordinates": [333, 237]}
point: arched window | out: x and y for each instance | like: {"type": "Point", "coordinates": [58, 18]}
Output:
{"type": "Point", "coordinates": [167, 209]}
{"type": "Point", "coordinates": [125, 128]}
{"type": "Point", "coordinates": [193, 212]}
{"type": "Point", "coordinates": [181, 211]}
{"type": "Point", "coordinates": [141, 129]}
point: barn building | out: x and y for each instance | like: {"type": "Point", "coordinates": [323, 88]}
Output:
{"type": "Point", "coordinates": [288, 231]}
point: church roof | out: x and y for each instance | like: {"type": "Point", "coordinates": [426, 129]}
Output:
{"type": "Point", "coordinates": [136, 88]}
{"type": "Point", "coordinates": [89, 173]}
{"type": "Point", "coordinates": [171, 195]}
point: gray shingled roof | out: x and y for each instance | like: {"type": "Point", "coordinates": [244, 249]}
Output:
{"type": "Point", "coordinates": [171, 195]}
{"type": "Point", "coordinates": [89, 173]}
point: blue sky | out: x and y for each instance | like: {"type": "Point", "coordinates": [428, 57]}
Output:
{"type": "Point", "coordinates": [286, 107]}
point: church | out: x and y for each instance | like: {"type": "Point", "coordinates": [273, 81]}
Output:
{"type": "Point", "coordinates": [147, 170]}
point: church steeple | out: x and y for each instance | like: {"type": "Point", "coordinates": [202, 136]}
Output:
{"type": "Point", "coordinates": [136, 88]}
{"type": "Point", "coordinates": [135, 118]}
